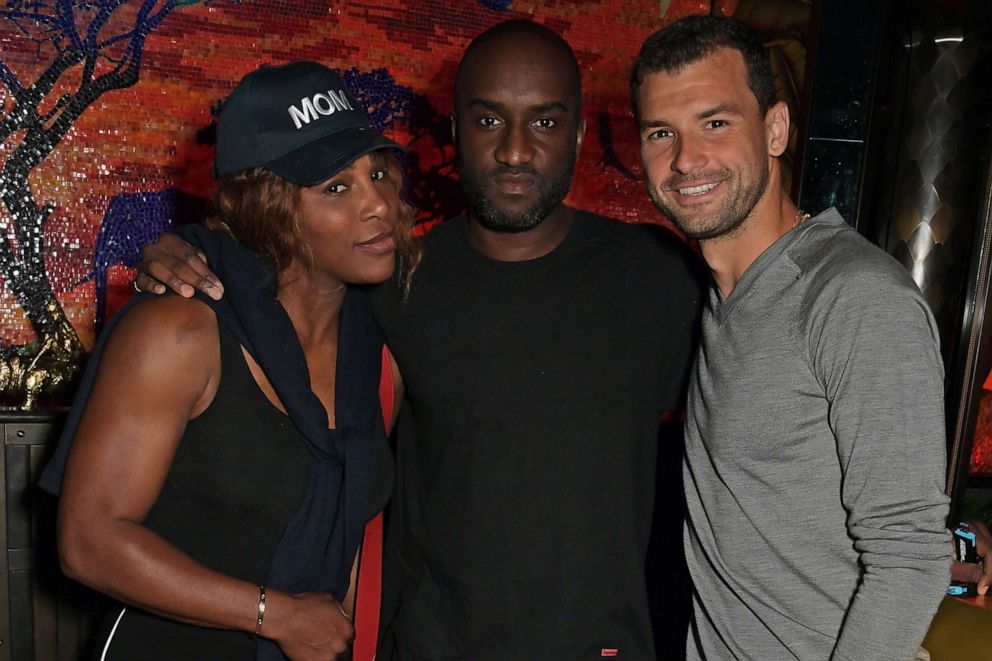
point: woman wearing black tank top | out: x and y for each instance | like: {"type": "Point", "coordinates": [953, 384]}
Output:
{"type": "Point", "coordinates": [225, 451]}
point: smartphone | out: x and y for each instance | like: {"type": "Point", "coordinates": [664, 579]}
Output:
{"type": "Point", "coordinates": [965, 544]}
{"type": "Point", "coordinates": [964, 551]}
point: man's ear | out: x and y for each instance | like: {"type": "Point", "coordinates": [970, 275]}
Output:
{"type": "Point", "coordinates": [454, 127]}
{"type": "Point", "coordinates": [777, 128]}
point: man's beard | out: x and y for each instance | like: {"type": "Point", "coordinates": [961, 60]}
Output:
{"type": "Point", "coordinates": [490, 216]}
{"type": "Point", "coordinates": [734, 210]}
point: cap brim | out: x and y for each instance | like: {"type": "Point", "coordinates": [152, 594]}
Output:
{"type": "Point", "coordinates": [321, 159]}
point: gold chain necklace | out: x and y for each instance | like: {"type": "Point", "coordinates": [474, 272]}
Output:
{"type": "Point", "coordinates": [801, 217]}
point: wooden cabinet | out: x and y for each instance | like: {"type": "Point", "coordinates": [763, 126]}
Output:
{"type": "Point", "coordinates": [43, 615]}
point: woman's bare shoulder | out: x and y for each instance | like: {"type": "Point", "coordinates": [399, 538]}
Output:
{"type": "Point", "coordinates": [170, 319]}
{"type": "Point", "coordinates": [167, 344]}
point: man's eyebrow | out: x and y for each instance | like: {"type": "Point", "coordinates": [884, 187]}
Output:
{"type": "Point", "coordinates": [551, 105]}
{"type": "Point", "coordinates": [722, 109]}
{"type": "Point", "coordinates": [651, 123]}
{"type": "Point", "coordinates": [483, 103]}
{"type": "Point", "coordinates": [496, 107]}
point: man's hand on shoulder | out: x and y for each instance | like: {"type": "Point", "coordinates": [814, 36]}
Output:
{"type": "Point", "coordinates": [173, 263]}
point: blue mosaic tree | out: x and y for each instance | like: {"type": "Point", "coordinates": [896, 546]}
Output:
{"type": "Point", "coordinates": [94, 47]}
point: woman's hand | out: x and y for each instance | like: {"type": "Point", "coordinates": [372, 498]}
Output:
{"type": "Point", "coordinates": [173, 262]}
{"type": "Point", "coordinates": [310, 626]}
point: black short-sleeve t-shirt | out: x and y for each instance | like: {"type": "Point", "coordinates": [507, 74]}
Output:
{"type": "Point", "coordinates": [526, 455]}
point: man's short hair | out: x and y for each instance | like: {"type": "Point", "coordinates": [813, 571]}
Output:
{"type": "Point", "coordinates": [522, 26]}
{"type": "Point", "coordinates": [693, 38]}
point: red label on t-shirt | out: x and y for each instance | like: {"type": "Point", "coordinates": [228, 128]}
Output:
{"type": "Point", "coordinates": [609, 651]}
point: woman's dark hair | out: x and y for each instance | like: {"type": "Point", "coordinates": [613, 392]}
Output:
{"type": "Point", "coordinates": [259, 210]}
{"type": "Point", "coordinates": [690, 39]}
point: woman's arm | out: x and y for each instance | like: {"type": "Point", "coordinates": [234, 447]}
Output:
{"type": "Point", "coordinates": [397, 392]}
{"type": "Point", "coordinates": [160, 368]}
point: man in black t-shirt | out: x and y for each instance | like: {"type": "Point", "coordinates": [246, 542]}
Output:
{"type": "Point", "coordinates": [538, 347]}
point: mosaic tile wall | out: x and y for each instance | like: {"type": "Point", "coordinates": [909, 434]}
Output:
{"type": "Point", "coordinates": [137, 156]}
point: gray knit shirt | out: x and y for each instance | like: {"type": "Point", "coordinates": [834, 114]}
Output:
{"type": "Point", "coordinates": [815, 459]}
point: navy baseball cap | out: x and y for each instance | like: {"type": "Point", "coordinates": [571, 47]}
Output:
{"type": "Point", "coordinates": [297, 120]}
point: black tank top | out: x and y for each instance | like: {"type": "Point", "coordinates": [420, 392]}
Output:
{"type": "Point", "coordinates": [236, 479]}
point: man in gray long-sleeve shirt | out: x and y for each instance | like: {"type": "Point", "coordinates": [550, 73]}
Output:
{"type": "Point", "coordinates": [814, 440]}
